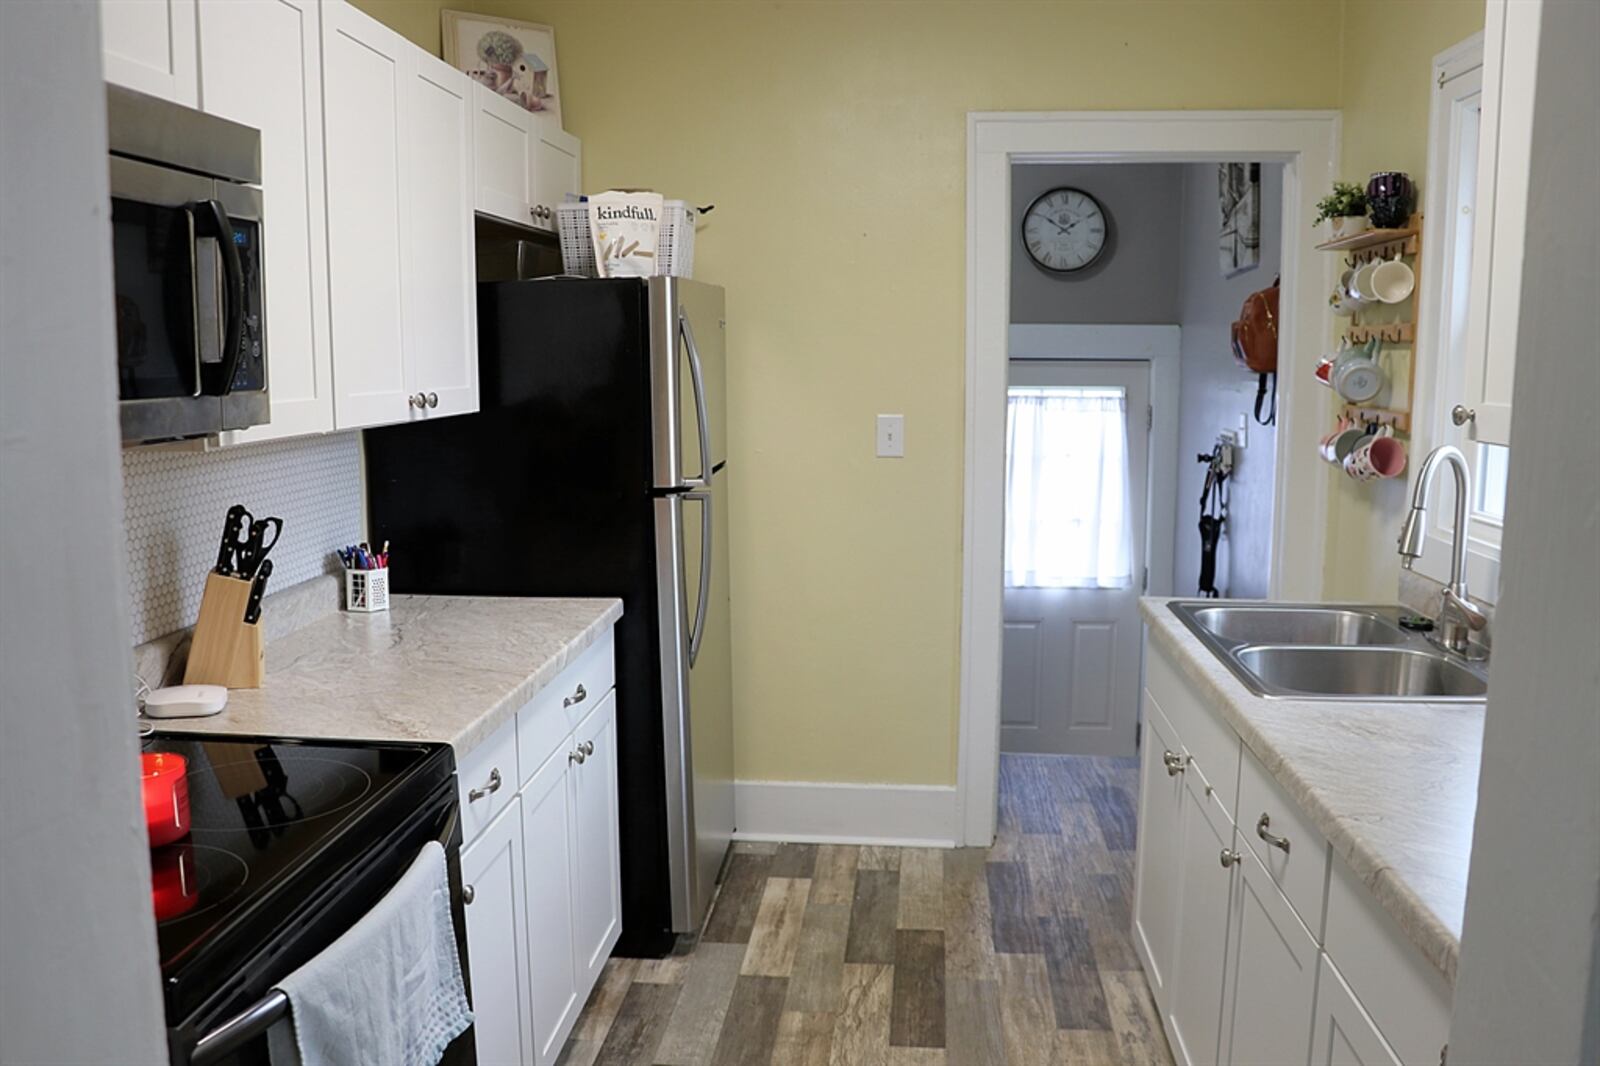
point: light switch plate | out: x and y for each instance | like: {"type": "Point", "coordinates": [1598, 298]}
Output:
{"type": "Point", "coordinates": [891, 436]}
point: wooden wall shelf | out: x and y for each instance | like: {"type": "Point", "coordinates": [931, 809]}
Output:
{"type": "Point", "coordinates": [1372, 238]}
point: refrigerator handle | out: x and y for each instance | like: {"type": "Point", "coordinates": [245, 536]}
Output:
{"type": "Point", "coordinates": [702, 605]}
{"type": "Point", "coordinates": [699, 404]}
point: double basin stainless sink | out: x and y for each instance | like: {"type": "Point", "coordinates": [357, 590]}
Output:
{"type": "Point", "coordinates": [1313, 652]}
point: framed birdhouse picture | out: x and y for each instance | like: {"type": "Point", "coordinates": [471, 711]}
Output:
{"type": "Point", "coordinates": [514, 58]}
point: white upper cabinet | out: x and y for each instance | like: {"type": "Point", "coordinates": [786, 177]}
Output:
{"type": "Point", "coordinates": [364, 80]}
{"type": "Point", "coordinates": [503, 144]}
{"type": "Point", "coordinates": [275, 85]}
{"type": "Point", "coordinates": [556, 165]}
{"type": "Point", "coordinates": [438, 266]}
{"type": "Point", "coordinates": [1505, 147]}
{"type": "Point", "coordinates": [149, 45]}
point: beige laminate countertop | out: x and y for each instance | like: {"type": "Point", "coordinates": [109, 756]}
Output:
{"type": "Point", "coordinates": [1393, 786]}
{"type": "Point", "coordinates": [447, 669]}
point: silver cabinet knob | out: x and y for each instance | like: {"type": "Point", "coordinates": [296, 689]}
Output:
{"type": "Point", "coordinates": [1175, 763]}
{"type": "Point", "coordinates": [489, 787]}
{"type": "Point", "coordinates": [1262, 824]}
{"type": "Point", "coordinates": [433, 399]}
{"type": "Point", "coordinates": [468, 894]}
{"type": "Point", "coordinates": [1229, 857]}
{"type": "Point", "coordinates": [577, 756]}
{"type": "Point", "coordinates": [418, 401]}
{"type": "Point", "coordinates": [587, 747]}
{"type": "Point", "coordinates": [1461, 414]}
{"type": "Point", "coordinates": [579, 694]}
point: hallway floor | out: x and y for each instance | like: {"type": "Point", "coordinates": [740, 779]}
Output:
{"type": "Point", "coordinates": [1017, 954]}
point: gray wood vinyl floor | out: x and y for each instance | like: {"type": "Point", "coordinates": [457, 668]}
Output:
{"type": "Point", "coordinates": [822, 955]}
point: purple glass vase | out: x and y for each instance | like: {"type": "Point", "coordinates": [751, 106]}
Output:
{"type": "Point", "coordinates": [1390, 198]}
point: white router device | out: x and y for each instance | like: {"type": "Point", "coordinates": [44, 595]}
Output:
{"type": "Point", "coordinates": [185, 701]}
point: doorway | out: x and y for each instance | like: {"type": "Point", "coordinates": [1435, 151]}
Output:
{"type": "Point", "coordinates": [1077, 477]}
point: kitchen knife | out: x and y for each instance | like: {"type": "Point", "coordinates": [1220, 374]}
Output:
{"type": "Point", "coordinates": [258, 588]}
{"type": "Point", "coordinates": [256, 545]}
{"type": "Point", "coordinates": [232, 527]}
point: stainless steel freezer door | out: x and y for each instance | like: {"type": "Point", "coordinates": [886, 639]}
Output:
{"type": "Point", "coordinates": [697, 697]}
{"type": "Point", "coordinates": [688, 374]}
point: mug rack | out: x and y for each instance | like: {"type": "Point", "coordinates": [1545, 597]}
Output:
{"type": "Point", "coordinates": [1364, 248]}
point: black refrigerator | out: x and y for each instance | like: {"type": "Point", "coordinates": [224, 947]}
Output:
{"type": "Point", "coordinates": [596, 466]}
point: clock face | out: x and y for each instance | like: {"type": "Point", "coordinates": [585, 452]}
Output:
{"type": "Point", "coordinates": [1064, 230]}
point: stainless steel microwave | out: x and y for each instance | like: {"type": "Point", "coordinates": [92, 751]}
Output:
{"type": "Point", "coordinates": [186, 235]}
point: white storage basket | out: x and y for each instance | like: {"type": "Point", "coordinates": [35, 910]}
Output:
{"type": "Point", "coordinates": [674, 251]}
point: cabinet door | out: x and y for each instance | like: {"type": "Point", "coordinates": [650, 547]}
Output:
{"type": "Point", "coordinates": [149, 45]}
{"type": "Point", "coordinates": [503, 141]}
{"type": "Point", "coordinates": [597, 874]}
{"type": "Point", "coordinates": [491, 873]}
{"type": "Point", "coordinates": [1505, 148]}
{"type": "Point", "coordinates": [364, 67]}
{"type": "Point", "coordinates": [1155, 890]}
{"type": "Point", "coordinates": [547, 842]}
{"type": "Point", "coordinates": [1194, 991]}
{"type": "Point", "coordinates": [1343, 1034]}
{"type": "Point", "coordinates": [438, 275]}
{"type": "Point", "coordinates": [556, 165]}
{"type": "Point", "coordinates": [275, 85]}
{"type": "Point", "coordinates": [1272, 973]}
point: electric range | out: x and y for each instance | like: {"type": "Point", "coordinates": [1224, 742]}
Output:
{"type": "Point", "coordinates": [292, 841]}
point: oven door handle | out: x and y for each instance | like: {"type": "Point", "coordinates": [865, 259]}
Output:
{"type": "Point", "coordinates": [212, 221]}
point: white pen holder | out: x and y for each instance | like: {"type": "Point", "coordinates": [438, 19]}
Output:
{"type": "Point", "coordinates": [366, 590]}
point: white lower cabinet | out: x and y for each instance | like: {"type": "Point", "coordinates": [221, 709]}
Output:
{"type": "Point", "coordinates": [545, 899]}
{"type": "Point", "coordinates": [497, 940]}
{"type": "Point", "coordinates": [1241, 972]}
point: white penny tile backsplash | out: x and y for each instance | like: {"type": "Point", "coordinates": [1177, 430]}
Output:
{"type": "Point", "coordinates": [176, 501]}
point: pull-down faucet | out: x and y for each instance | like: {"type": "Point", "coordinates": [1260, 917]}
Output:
{"type": "Point", "coordinates": [1458, 617]}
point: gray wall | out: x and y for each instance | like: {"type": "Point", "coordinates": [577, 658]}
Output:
{"type": "Point", "coordinates": [1528, 989]}
{"type": "Point", "coordinates": [78, 976]}
{"type": "Point", "coordinates": [1136, 279]}
{"type": "Point", "coordinates": [1216, 391]}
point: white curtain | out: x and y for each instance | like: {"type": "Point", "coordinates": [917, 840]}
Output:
{"type": "Point", "coordinates": [1069, 521]}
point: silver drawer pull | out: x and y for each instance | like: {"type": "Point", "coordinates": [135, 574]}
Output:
{"type": "Point", "coordinates": [577, 697]}
{"type": "Point", "coordinates": [576, 756]}
{"type": "Point", "coordinates": [1230, 857]}
{"type": "Point", "coordinates": [587, 747]}
{"type": "Point", "coordinates": [1175, 763]}
{"type": "Point", "coordinates": [1262, 824]}
{"type": "Point", "coordinates": [468, 894]}
{"type": "Point", "coordinates": [493, 785]}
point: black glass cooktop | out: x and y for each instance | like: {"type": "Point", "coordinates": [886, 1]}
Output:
{"type": "Point", "coordinates": [274, 823]}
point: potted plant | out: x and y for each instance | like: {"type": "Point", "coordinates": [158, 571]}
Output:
{"type": "Point", "coordinates": [1344, 210]}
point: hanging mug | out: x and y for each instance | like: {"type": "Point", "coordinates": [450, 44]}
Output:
{"type": "Point", "coordinates": [1377, 455]}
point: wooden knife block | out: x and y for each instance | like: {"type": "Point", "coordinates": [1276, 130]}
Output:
{"type": "Point", "coordinates": [225, 650]}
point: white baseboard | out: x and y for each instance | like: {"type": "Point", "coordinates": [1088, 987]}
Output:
{"type": "Point", "coordinates": [819, 812]}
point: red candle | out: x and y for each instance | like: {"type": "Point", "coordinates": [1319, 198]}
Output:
{"type": "Point", "coordinates": [166, 797]}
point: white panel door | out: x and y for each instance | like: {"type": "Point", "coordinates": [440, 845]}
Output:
{"type": "Point", "coordinates": [556, 165]}
{"type": "Point", "coordinates": [1070, 678]}
{"type": "Point", "coordinates": [1343, 1034]}
{"type": "Point", "coordinates": [547, 835]}
{"type": "Point", "coordinates": [1155, 890]}
{"type": "Point", "coordinates": [503, 148]}
{"type": "Point", "coordinates": [439, 268]}
{"type": "Point", "coordinates": [364, 67]}
{"type": "Point", "coordinates": [597, 869]}
{"type": "Point", "coordinates": [149, 45]}
{"type": "Point", "coordinates": [1194, 991]}
{"type": "Point", "coordinates": [491, 876]}
{"type": "Point", "coordinates": [275, 85]}
{"type": "Point", "coordinates": [1272, 973]}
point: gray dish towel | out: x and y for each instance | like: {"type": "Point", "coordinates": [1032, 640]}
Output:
{"type": "Point", "coordinates": [386, 993]}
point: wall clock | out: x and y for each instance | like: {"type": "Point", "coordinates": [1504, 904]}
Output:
{"type": "Point", "coordinates": [1064, 230]}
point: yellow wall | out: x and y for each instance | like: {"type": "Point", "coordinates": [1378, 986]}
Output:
{"type": "Point", "coordinates": [1385, 94]}
{"type": "Point", "coordinates": [832, 137]}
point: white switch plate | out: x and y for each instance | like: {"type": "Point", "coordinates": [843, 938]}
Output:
{"type": "Point", "coordinates": [891, 436]}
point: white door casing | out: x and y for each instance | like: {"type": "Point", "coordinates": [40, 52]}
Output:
{"type": "Point", "coordinates": [1070, 677]}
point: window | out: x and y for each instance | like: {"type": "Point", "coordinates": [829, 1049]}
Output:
{"type": "Point", "coordinates": [1452, 201]}
{"type": "Point", "coordinates": [1069, 521]}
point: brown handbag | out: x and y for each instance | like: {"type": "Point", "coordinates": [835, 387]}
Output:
{"type": "Point", "coordinates": [1255, 346]}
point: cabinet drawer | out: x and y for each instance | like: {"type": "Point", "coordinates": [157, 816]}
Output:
{"type": "Point", "coordinates": [1407, 998]}
{"type": "Point", "coordinates": [1301, 872]}
{"type": "Point", "coordinates": [1211, 741]}
{"type": "Point", "coordinates": [487, 779]}
{"type": "Point", "coordinates": [544, 724]}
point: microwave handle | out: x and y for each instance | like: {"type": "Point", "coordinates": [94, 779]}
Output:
{"type": "Point", "coordinates": [212, 221]}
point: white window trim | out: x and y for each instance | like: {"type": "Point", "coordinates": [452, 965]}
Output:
{"type": "Point", "coordinates": [1457, 74]}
